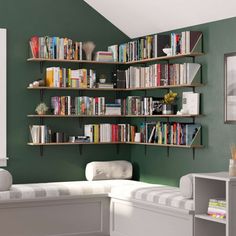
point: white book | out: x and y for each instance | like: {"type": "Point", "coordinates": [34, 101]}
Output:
{"type": "Point", "coordinates": [88, 131]}
{"type": "Point", "coordinates": [187, 39]}
{"type": "Point", "coordinates": [183, 42]}
{"type": "Point", "coordinates": [42, 133]}
{"type": "Point", "coordinates": [181, 74]}
{"type": "Point", "coordinates": [191, 103]}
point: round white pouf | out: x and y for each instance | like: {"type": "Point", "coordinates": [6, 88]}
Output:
{"type": "Point", "coordinates": [5, 180]}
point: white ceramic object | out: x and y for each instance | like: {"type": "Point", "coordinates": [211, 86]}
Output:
{"type": "Point", "coordinates": [102, 81]}
{"type": "Point", "coordinates": [167, 51]}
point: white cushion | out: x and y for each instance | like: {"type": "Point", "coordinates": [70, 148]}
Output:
{"type": "Point", "coordinates": [186, 186]}
{"type": "Point", "coordinates": [103, 170]}
{"type": "Point", "coordinates": [5, 180]}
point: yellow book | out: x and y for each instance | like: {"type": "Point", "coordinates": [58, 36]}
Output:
{"type": "Point", "coordinates": [84, 79]}
{"type": "Point", "coordinates": [49, 77]}
{"type": "Point", "coordinates": [69, 77]}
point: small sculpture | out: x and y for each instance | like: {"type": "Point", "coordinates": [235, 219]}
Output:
{"type": "Point", "coordinates": [88, 48]}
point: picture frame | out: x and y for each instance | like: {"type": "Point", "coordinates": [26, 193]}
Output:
{"type": "Point", "coordinates": [230, 87]}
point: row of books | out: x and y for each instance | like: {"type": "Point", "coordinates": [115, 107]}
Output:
{"type": "Point", "coordinates": [217, 208]}
{"type": "Point", "coordinates": [142, 48]}
{"type": "Point", "coordinates": [67, 105]}
{"type": "Point", "coordinates": [110, 132]}
{"type": "Point", "coordinates": [168, 133]}
{"type": "Point", "coordinates": [131, 105]}
{"type": "Point", "coordinates": [158, 75]}
{"type": "Point", "coordinates": [151, 46]}
{"type": "Point", "coordinates": [62, 77]}
{"type": "Point", "coordinates": [55, 48]}
{"type": "Point", "coordinates": [84, 105]}
{"type": "Point", "coordinates": [160, 132]}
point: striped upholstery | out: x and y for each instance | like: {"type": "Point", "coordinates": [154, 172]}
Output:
{"type": "Point", "coordinates": [124, 189]}
{"type": "Point", "coordinates": [61, 189]}
{"type": "Point", "coordinates": [157, 194]}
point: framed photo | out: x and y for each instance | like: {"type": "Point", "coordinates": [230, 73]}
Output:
{"type": "Point", "coordinates": [230, 87]}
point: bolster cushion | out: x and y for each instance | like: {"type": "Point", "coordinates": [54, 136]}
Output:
{"type": "Point", "coordinates": [102, 170]}
{"type": "Point", "coordinates": [186, 186]}
{"type": "Point", "coordinates": [5, 180]}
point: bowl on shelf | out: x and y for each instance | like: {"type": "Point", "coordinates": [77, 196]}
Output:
{"type": "Point", "coordinates": [167, 51]}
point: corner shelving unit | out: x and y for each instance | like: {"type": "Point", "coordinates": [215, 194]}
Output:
{"type": "Point", "coordinates": [214, 185]}
{"type": "Point", "coordinates": [196, 142]}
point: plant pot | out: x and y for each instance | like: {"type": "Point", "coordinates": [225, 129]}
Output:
{"type": "Point", "coordinates": [41, 112]}
{"type": "Point", "coordinates": [167, 109]}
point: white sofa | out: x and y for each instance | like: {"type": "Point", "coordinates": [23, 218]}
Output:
{"type": "Point", "coordinates": [95, 208]}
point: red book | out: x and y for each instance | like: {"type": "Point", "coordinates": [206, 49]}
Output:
{"type": "Point", "coordinates": [158, 74]}
{"type": "Point", "coordinates": [96, 105]}
{"type": "Point", "coordinates": [34, 46]}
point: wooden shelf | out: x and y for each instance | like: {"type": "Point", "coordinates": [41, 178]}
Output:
{"type": "Point", "coordinates": [167, 145]}
{"type": "Point", "coordinates": [210, 218]}
{"type": "Point", "coordinates": [73, 61]}
{"type": "Point", "coordinates": [111, 116]}
{"type": "Point", "coordinates": [102, 143]}
{"type": "Point", "coordinates": [118, 89]}
{"type": "Point", "coordinates": [195, 54]}
{"type": "Point", "coordinates": [76, 143]}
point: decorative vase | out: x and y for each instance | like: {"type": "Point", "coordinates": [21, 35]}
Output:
{"type": "Point", "coordinates": [167, 109]}
{"type": "Point", "coordinates": [232, 168]}
{"type": "Point", "coordinates": [88, 48]}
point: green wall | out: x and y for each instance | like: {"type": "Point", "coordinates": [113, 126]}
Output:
{"type": "Point", "coordinates": [156, 166]}
{"type": "Point", "coordinates": [74, 19]}
{"type": "Point", "coordinates": [77, 20]}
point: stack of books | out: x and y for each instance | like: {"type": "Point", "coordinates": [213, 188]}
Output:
{"type": "Point", "coordinates": [168, 133]}
{"type": "Point", "coordinates": [55, 48]}
{"type": "Point", "coordinates": [40, 134]}
{"type": "Point", "coordinates": [104, 56]}
{"type": "Point", "coordinates": [110, 132]}
{"type": "Point", "coordinates": [113, 109]}
{"type": "Point", "coordinates": [61, 78]}
{"type": "Point", "coordinates": [159, 75]}
{"type": "Point", "coordinates": [105, 85]}
{"type": "Point", "coordinates": [217, 208]}
{"type": "Point", "coordinates": [67, 105]}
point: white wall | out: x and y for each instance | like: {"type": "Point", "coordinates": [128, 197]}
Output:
{"type": "Point", "coordinates": [136, 18]}
{"type": "Point", "coordinates": [3, 97]}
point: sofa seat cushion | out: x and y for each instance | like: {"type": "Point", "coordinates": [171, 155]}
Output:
{"type": "Point", "coordinates": [155, 194]}
{"type": "Point", "coordinates": [44, 191]}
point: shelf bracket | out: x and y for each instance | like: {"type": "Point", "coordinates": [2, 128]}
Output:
{"type": "Point", "coordinates": [41, 150]}
{"type": "Point", "coordinates": [193, 153]}
{"type": "Point", "coordinates": [80, 149]}
{"type": "Point", "coordinates": [117, 148]}
{"type": "Point", "coordinates": [41, 64]}
{"type": "Point", "coordinates": [41, 95]}
{"type": "Point", "coordinates": [168, 152]}
{"type": "Point", "coordinates": [80, 122]}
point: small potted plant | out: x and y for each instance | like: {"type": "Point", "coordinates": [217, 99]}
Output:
{"type": "Point", "coordinates": [168, 103]}
{"type": "Point", "coordinates": [41, 109]}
